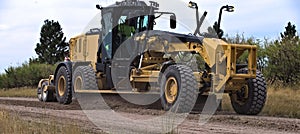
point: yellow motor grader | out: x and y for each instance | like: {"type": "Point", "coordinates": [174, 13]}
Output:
{"type": "Point", "coordinates": [148, 62]}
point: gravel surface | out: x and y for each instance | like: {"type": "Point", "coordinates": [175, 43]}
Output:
{"type": "Point", "coordinates": [138, 118]}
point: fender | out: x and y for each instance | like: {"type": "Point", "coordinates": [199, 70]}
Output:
{"type": "Point", "coordinates": [164, 66]}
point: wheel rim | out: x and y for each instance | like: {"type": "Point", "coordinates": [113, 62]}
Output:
{"type": "Point", "coordinates": [242, 95]}
{"type": "Point", "coordinates": [44, 94]}
{"type": "Point", "coordinates": [78, 83]}
{"type": "Point", "coordinates": [61, 85]}
{"type": "Point", "coordinates": [39, 96]}
{"type": "Point", "coordinates": [171, 90]}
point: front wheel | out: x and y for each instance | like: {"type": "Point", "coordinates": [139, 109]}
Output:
{"type": "Point", "coordinates": [251, 98]}
{"type": "Point", "coordinates": [178, 89]}
{"type": "Point", "coordinates": [63, 87]}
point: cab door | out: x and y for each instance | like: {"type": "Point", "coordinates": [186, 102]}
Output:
{"type": "Point", "coordinates": [104, 53]}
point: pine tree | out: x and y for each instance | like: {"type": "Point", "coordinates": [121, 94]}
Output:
{"type": "Point", "coordinates": [290, 32]}
{"type": "Point", "coordinates": [53, 46]}
{"type": "Point", "coordinates": [284, 57]}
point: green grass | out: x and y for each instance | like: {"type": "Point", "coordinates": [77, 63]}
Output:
{"type": "Point", "coordinates": [283, 102]}
{"type": "Point", "coordinates": [13, 124]}
{"type": "Point", "coordinates": [22, 92]}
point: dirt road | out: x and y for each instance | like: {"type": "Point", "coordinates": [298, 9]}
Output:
{"type": "Point", "coordinates": [221, 122]}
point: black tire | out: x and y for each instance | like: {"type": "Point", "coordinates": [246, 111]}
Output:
{"type": "Point", "coordinates": [47, 96]}
{"type": "Point", "coordinates": [184, 100]}
{"type": "Point", "coordinates": [84, 78]}
{"type": "Point", "coordinates": [63, 86]}
{"type": "Point", "coordinates": [257, 94]}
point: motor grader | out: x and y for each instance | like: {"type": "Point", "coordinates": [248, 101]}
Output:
{"type": "Point", "coordinates": [105, 61]}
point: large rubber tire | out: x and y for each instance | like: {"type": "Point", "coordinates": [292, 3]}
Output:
{"type": "Point", "coordinates": [182, 79]}
{"type": "Point", "coordinates": [48, 95]}
{"type": "Point", "coordinates": [257, 94]}
{"type": "Point", "coordinates": [84, 78]}
{"type": "Point", "coordinates": [63, 86]}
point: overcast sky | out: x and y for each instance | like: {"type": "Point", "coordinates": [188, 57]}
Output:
{"type": "Point", "coordinates": [20, 21]}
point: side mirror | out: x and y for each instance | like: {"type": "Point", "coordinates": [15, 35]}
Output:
{"type": "Point", "coordinates": [99, 7]}
{"type": "Point", "coordinates": [173, 21]}
{"type": "Point", "coordinates": [229, 8]}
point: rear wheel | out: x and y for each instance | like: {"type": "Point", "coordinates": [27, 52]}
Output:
{"type": "Point", "coordinates": [178, 89]}
{"type": "Point", "coordinates": [84, 78]}
{"type": "Point", "coordinates": [63, 86]}
{"type": "Point", "coordinates": [250, 99]}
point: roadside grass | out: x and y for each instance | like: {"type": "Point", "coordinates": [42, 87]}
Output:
{"type": "Point", "coordinates": [283, 102]}
{"type": "Point", "coordinates": [13, 124]}
{"type": "Point", "coordinates": [18, 92]}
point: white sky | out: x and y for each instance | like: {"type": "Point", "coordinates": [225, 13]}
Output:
{"type": "Point", "coordinates": [20, 21]}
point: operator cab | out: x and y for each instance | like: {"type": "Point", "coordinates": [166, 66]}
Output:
{"type": "Point", "coordinates": [120, 22]}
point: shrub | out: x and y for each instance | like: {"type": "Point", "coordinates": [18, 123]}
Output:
{"type": "Point", "coordinates": [26, 75]}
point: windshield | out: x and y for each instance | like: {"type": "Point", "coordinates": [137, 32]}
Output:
{"type": "Point", "coordinates": [106, 23]}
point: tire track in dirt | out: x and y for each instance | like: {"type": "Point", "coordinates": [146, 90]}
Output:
{"type": "Point", "coordinates": [222, 122]}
